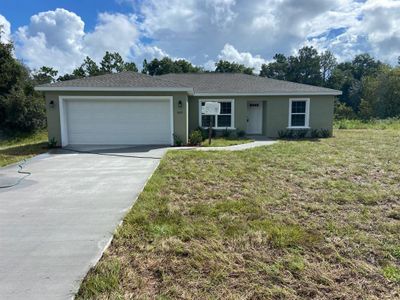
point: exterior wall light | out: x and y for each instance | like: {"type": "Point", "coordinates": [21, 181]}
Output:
{"type": "Point", "coordinates": [51, 104]}
{"type": "Point", "coordinates": [179, 104]}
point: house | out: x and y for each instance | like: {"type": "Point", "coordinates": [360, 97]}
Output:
{"type": "Point", "coordinates": [131, 108]}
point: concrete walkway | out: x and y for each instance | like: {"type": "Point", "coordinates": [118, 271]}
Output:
{"type": "Point", "coordinates": [56, 223]}
{"type": "Point", "coordinates": [258, 142]}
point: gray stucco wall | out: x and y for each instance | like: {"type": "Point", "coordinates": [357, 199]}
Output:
{"type": "Point", "coordinates": [275, 112]}
{"type": "Point", "coordinates": [53, 114]}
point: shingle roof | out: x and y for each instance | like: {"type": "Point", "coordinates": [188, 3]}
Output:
{"type": "Point", "coordinates": [116, 80]}
{"type": "Point", "coordinates": [237, 83]}
{"type": "Point", "coordinates": [197, 83]}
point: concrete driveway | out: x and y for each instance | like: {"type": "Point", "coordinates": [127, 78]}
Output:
{"type": "Point", "coordinates": [56, 223]}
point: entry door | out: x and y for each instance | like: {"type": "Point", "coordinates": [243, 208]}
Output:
{"type": "Point", "coordinates": [254, 117]}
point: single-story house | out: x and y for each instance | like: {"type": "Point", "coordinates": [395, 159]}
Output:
{"type": "Point", "coordinates": [131, 108]}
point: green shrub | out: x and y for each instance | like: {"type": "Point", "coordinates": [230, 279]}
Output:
{"type": "Point", "coordinates": [52, 143]}
{"type": "Point", "coordinates": [290, 134]}
{"type": "Point", "coordinates": [343, 111]}
{"type": "Point", "coordinates": [325, 133]}
{"type": "Point", "coordinates": [241, 133]}
{"type": "Point", "coordinates": [204, 132]}
{"type": "Point", "coordinates": [226, 133]}
{"type": "Point", "coordinates": [300, 133]}
{"type": "Point", "coordinates": [286, 134]}
{"type": "Point", "coordinates": [314, 133]}
{"type": "Point", "coordinates": [342, 125]}
{"type": "Point", "coordinates": [195, 138]}
{"type": "Point", "coordinates": [177, 140]}
{"type": "Point", "coordinates": [282, 134]}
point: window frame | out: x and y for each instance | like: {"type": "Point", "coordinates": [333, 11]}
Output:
{"type": "Point", "coordinates": [306, 113]}
{"type": "Point", "coordinates": [232, 114]}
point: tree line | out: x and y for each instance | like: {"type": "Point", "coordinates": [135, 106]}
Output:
{"type": "Point", "coordinates": [371, 88]}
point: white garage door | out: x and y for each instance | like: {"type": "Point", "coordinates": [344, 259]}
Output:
{"type": "Point", "coordinates": [117, 121]}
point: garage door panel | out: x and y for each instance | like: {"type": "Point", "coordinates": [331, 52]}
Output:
{"type": "Point", "coordinates": [118, 121]}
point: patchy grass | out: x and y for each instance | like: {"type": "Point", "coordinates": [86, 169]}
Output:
{"type": "Point", "coordinates": [391, 123]}
{"type": "Point", "coordinates": [295, 220]}
{"type": "Point", "coordinates": [223, 142]}
{"type": "Point", "coordinates": [16, 148]}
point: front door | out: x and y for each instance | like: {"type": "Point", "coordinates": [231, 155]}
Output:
{"type": "Point", "coordinates": [254, 117]}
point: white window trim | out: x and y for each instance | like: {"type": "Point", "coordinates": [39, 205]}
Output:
{"type": "Point", "coordinates": [307, 118]}
{"type": "Point", "coordinates": [232, 101]}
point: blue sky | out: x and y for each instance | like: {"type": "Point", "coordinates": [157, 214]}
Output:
{"type": "Point", "coordinates": [87, 9]}
{"type": "Point", "coordinates": [60, 33]}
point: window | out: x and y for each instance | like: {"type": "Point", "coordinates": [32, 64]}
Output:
{"type": "Point", "coordinates": [299, 110]}
{"type": "Point", "coordinates": [223, 120]}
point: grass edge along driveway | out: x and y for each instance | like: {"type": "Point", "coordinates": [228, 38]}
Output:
{"type": "Point", "coordinates": [17, 148]}
{"type": "Point", "coordinates": [293, 220]}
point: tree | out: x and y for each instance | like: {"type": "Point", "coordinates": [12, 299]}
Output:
{"type": "Point", "coordinates": [328, 63]}
{"type": "Point", "coordinates": [11, 70]}
{"type": "Point", "coordinates": [305, 67]}
{"type": "Point", "coordinates": [44, 75]}
{"type": "Point", "coordinates": [224, 66]}
{"type": "Point", "coordinates": [111, 63]}
{"type": "Point", "coordinates": [130, 66]}
{"type": "Point", "coordinates": [89, 67]}
{"type": "Point", "coordinates": [66, 77]}
{"type": "Point", "coordinates": [365, 65]}
{"type": "Point", "coordinates": [158, 67]}
{"type": "Point", "coordinates": [21, 108]}
{"type": "Point", "coordinates": [23, 112]}
{"type": "Point", "coordinates": [166, 65]}
{"type": "Point", "coordinates": [277, 69]}
{"type": "Point", "coordinates": [381, 94]}
{"type": "Point", "coordinates": [186, 67]}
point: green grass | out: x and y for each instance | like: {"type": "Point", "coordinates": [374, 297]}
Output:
{"type": "Point", "coordinates": [223, 142]}
{"type": "Point", "coordinates": [294, 220]}
{"type": "Point", "coordinates": [393, 123]}
{"type": "Point", "coordinates": [21, 146]}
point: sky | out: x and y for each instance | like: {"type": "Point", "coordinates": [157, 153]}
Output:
{"type": "Point", "coordinates": [61, 33]}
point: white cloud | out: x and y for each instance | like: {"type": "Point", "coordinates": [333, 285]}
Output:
{"type": "Point", "coordinates": [6, 29]}
{"type": "Point", "coordinates": [161, 17]}
{"type": "Point", "coordinates": [114, 32]}
{"type": "Point", "coordinates": [209, 65]}
{"type": "Point", "coordinates": [373, 27]}
{"type": "Point", "coordinates": [198, 30]}
{"type": "Point", "coordinates": [270, 26]}
{"type": "Point", "coordinates": [52, 38]}
{"type": "Point", "coordinates": [229, 53]}
{"type": "Point", "coordinates": [58, 39]}
{"type": "Point", "coordinates": [223, 13]}
{"type": "Point", "coordinates": [143, 51]}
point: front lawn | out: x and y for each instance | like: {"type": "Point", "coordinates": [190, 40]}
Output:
{"type": "Point", "coordinates": [224, 142]}
{"type": "Point", "coordinates": [295, 220]}
{"type": "Point", "coordinates": [16, 148]}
